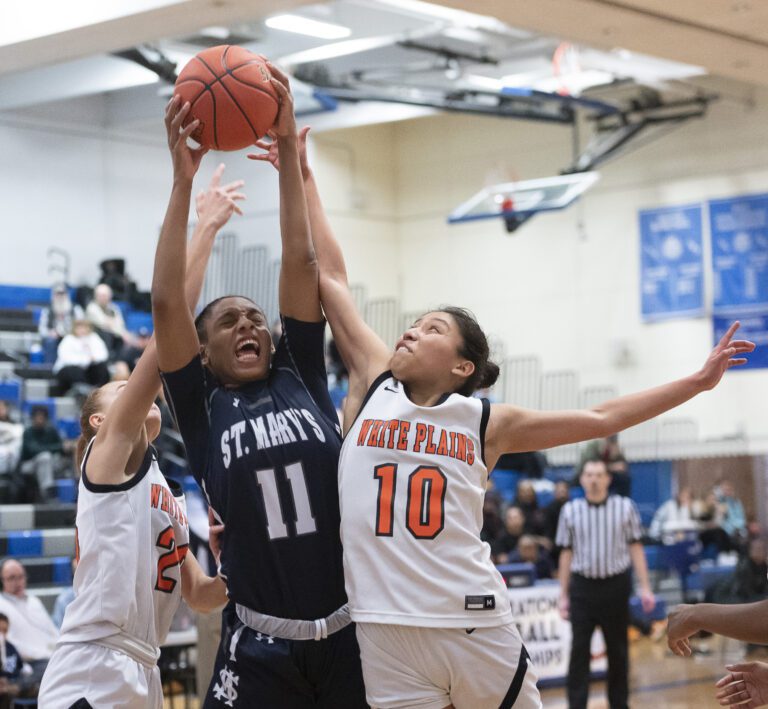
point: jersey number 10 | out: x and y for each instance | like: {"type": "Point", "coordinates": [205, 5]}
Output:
{"type": "Point", "coordinates": [425, 508]}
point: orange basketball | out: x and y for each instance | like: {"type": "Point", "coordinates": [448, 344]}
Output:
{"type": "Point", "coordinates": [230, 92]}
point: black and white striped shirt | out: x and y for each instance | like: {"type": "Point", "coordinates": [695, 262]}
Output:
{"type": "Point", "coordinates": [599, 535]}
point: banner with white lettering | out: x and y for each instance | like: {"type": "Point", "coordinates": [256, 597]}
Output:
{"type": "Point", "coordinates": [546, 635]}
{"type": "Point", "coordinates": [754, 326]}
{"type": "Point", "coordinates": [671, 262]}
{"type": "Point", "coordinates": [739, 227]}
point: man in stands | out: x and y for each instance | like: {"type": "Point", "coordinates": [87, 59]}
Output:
{"type": "Point", "coordinates": [31, 631]}
{"type": "Point", "coordinates": [41, 450]}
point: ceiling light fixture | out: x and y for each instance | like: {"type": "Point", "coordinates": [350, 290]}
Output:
{"type": "Point", "coordinates": [303, 25]}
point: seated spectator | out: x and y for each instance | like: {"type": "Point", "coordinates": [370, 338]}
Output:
{"type": "Point", "coordinates": [734, 519]}
{"type": "Point", "coordinates": [528, 550]}
{"type": "Point", "coordinates": [10, 440]}
{"type": "Point", "coordinates": [709, 513]}
{"type": "Point", "coordinates": [31, 629]}
{"type": "Point", "coordinates": [107, 318]}
{"type": "Point", "coordinates": [135, 348]}
{"type": "Point", "coordinates": [673, 517]}
{"type": "Point", "coordinates": [514, 528]}
{"type": "Point", "coordinates": [10, 666]}
{"type": "Point", "coordinates": [749, 582]}
{"type": "Point", "coordinates": [57, 319]}
{"type": "Point", "coordinates": [82, 358]}
{"type": "Point", "coordinates": [525, 499]}
{"type": "Point", "coordinates": [6, 415]}
{"type": "Point", "coordinates": [562, 494]}
{"type": "Point", "coordinates": [64, 599]}
{"type": "Point", "coordinates": [493, 527]}
{"type": "Point", "coordinates": [41, 450]}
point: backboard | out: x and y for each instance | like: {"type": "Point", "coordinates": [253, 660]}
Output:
{"type": "Point", "coordinates": [520, 200]}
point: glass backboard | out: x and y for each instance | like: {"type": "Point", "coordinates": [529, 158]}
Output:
{"type": "Point", "coordinates": [524, 198]}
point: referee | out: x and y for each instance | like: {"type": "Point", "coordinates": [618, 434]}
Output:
{"type": "Point", "coordinates": [600, 538]}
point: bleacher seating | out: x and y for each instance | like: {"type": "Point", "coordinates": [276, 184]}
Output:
{"type": "Point", "coordinates": [42, 538]}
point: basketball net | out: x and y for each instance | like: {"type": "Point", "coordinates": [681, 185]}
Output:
{"type": "Point", "coordinates": [566, 68]}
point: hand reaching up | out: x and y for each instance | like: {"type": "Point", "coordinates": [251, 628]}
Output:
{"type": "Point", "coordinates": [216, 204]}
{"type": "Point", "coordinates": [272, 154]}
{"type": "Point", "coordinates": [723, 357]}
{"type": "Point", "coordinates": [186, 160]}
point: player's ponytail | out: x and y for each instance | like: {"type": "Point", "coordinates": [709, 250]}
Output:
{"type": "Point", "coordinates": [475, 348]}
{"type": "Point", "coordinates": [87, 431]}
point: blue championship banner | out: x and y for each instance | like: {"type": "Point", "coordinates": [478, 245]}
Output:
{"type": "Point", "coordinates": [754, 326]}
{"type": "Point", "coordinates": [671, 262]}
{"type": "Point", "coordinates": [739, 228]}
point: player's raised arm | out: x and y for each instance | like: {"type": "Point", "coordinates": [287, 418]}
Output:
{"type": "Point", "coordinates": [299, 290]}
{"type": "Point", "coordinates": [363, 352]}
{"type": "Point", "coordinates": [512, 429]}
{"type": "Point", "coordinates": [177, 340]}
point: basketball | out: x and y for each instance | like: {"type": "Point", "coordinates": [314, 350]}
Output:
{"type": "Point", "coordinates": [230, 92]}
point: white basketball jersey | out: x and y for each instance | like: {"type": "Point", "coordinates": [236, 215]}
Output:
{"type": "Point", "coordinates": [411, 486]}
{"type": "Point", "coordinates": [131, 541]}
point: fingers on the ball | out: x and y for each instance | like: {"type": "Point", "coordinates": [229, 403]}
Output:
{"type": "Point", "coordinates": [280, 87]}
{"type": "Point", "coordinates": [278, 73]}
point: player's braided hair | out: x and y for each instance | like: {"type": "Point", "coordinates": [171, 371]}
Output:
{"type": "Point", "coordinates": [91, 406]}
{"type": "Point", "coordinates": [475, 348]}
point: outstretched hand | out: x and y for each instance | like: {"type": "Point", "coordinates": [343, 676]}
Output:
{"type": "Point", "coordinates": [216, 204]}
{"type": "Point", "coordinates": [746, 685]}
{"type": "Point", "coordinates": [186, 160]}
{"type": "Point", "coordinates": [680, 627]}
{"type": "Point", "coordinates": [272, 154]}
{"type": "Point", "coordinates": [724, 356]}
{"type": "Point", "coordinates": [285, 123]}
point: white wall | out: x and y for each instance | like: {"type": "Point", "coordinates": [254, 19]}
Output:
{"type": "Point", "coordinates": [69, 181]}
{"type": "Point", "coordinates": [565, 286]}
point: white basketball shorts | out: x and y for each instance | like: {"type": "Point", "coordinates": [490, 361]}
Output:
{"type": "Point", "coordinates": [105, 678]}
{"type": "Point", "coordinates": [431, 668]}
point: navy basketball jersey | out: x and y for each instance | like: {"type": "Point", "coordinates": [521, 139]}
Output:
{"type": "Point", "coordinates": [266, 456]}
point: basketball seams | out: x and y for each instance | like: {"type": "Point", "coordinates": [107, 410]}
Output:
{"type": "Point", "coordinates": [240, 108]}
{"type": "Point", "coordinates": [203, 90]}
{"type": "Point", "coordinates": [231, 93]}
{"type": "Point", "coordinates": [213, 97]}
{"type": "Point", "coordinates": [250, 85]}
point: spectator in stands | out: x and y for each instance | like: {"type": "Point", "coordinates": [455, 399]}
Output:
{"type": "Point", "coordinates": [82, 358]}
{"type": "Point", "coordinates": [10, 666]}
{"type": "Point", "coordinates": [107, 318]}
{"type": "Point", "coordinates": [57, 319]}
{"type": "Point", "coordinates": [609, 451]}
{"type": "Point", "coordinates": [749, 582]}
{"type": "Point", "coordinates": [514, 528]}
{"type": "Point", "coordinates": [673, 516]}
{"type": "Point", "coordinates": [31, 629]}
{"type": "Point", "coordinates": [41, 450]}
{"type": "Point", "coordinates": [528, 550]}
{"type": "Point", "coordinates": [493, 527]}
{"type": "Point", "coordinates": [562, 494]}
{"type": "Point", "coordinates": [64, 599]}
{"type": "Point", "coordinates": [734, 520]}
{"type": "Point", "coordinates": [135, 348]}
{"type": "Point", "coordinates": [710, 513]}
{"type": "Point", "coordinates": [525, 499]}
{"type": "Point", "coordinates": [5, 412]}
